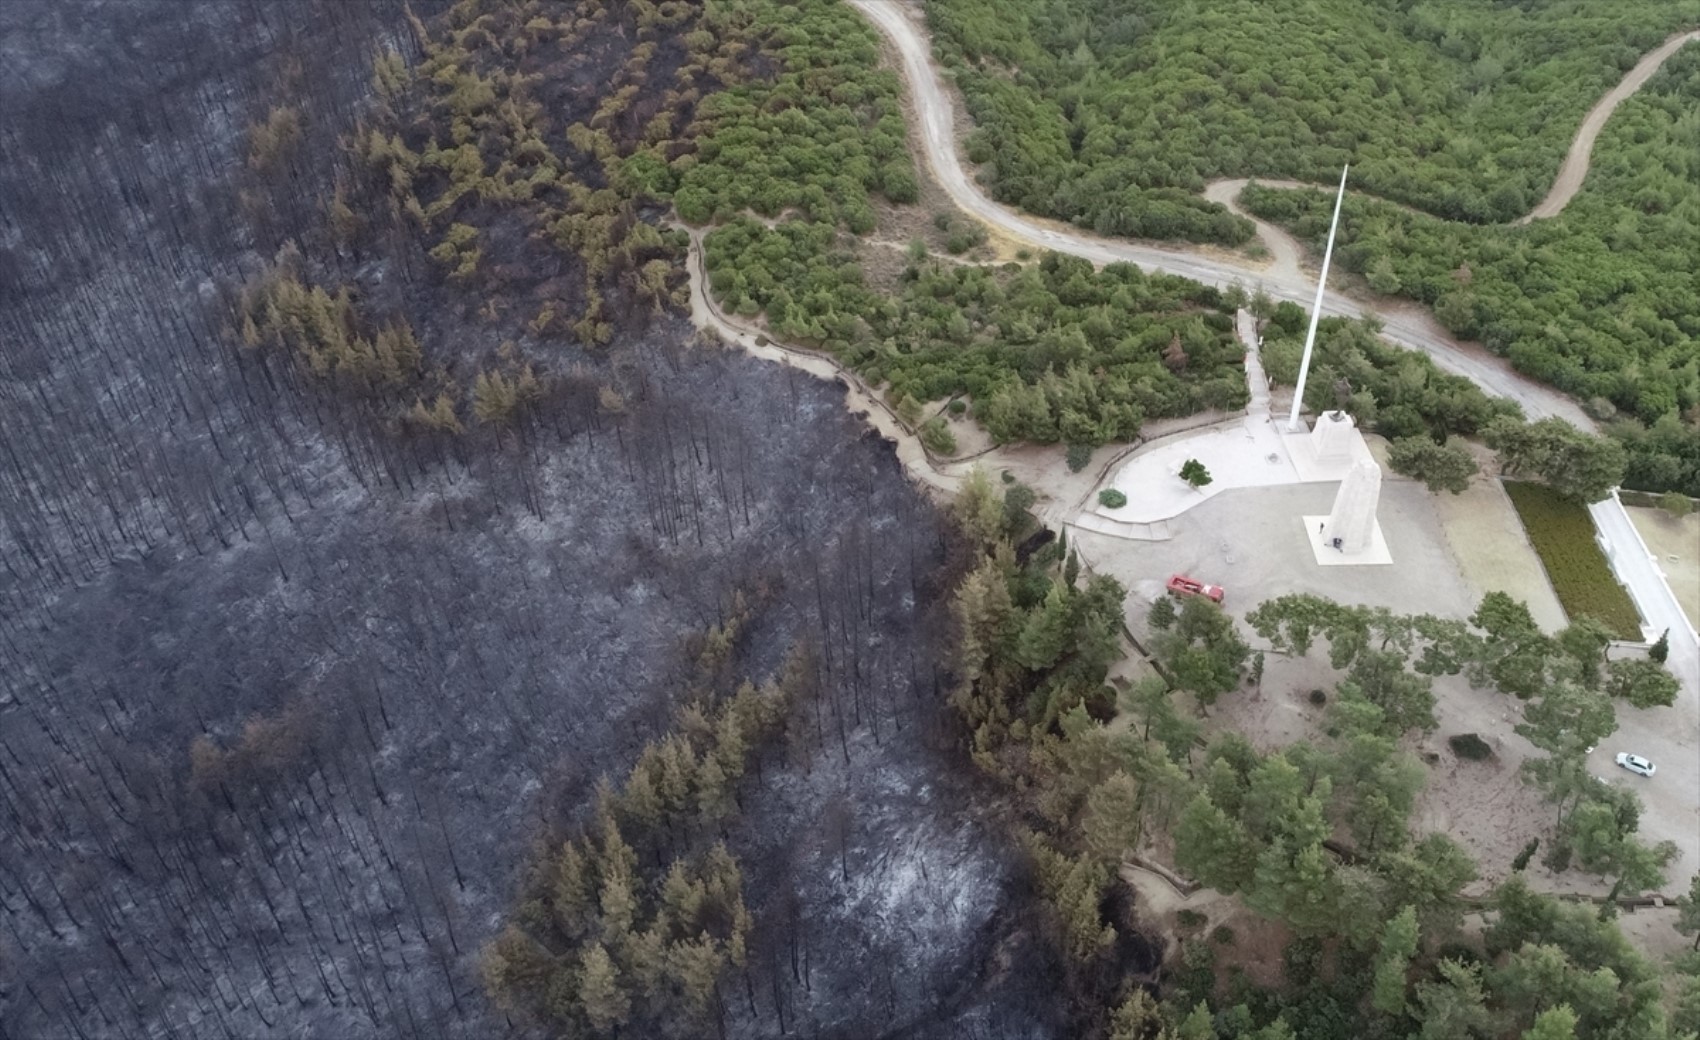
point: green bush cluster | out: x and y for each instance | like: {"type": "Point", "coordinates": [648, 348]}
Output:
{"type": "Point", "coordinates": [1563, 537]}
{"type": "Point", "coordinates": [1378, 947]}
{"type": "Point", "coordinates": [1110, 498]}
{"type": "Point", "coordinates": [937, 437]}
{"type": "Point", "coordinates": [634, 922]}
{"type": "Point", "coordinates": [818, 137]}
{"type": "Point", "coordinates": [1056, 352]}
{"type": "Point", "coordinates": [1396, 392]}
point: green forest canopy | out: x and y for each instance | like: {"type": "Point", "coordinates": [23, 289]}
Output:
{"type": "Point", "coordinates": [1091, 111]}
{"type": "Point", "coordinates": [1115, 116]}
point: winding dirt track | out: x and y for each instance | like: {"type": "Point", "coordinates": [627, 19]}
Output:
{"type": "Point", "coordinates": [1575, 168]}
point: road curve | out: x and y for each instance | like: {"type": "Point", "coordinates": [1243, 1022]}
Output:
{"type": "Point", "coordinates": [1409, 327]}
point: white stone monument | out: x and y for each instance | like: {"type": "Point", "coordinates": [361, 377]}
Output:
{"type": "Point", "coordinates": [1350, 535]}
{"type": "Point", "coordinates": [1331, 438]}
{"type": "Point", "coordinates": [1350, 527]}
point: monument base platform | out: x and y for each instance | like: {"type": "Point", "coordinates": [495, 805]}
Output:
{"type": "Point", "coordinates": [1327, 556]}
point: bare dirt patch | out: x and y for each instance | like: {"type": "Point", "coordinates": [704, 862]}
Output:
{"type": "Point", "coordinates": [1484, 806]}
{"type": "Point", "coordinates": [882, 264]}
{"type": "Point", "coordinates": [972, 440]}
{"type": "Point", "coordinates": [1278, 712]}
{"type": "Point", "coordinates": [1493, 552]}
{"type": "Point", "coordinates": [1653, 931]}
{"type": "Point", "coordinates": [1254, 943]}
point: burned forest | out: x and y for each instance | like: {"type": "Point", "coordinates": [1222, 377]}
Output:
{"type": "Point", "coordinates": [370, 517]}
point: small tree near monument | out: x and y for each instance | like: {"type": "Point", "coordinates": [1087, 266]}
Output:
{"type": "Point", "coordinates": [1660, 650]}
{"type": "Point", "coordinates": [1194, 473]}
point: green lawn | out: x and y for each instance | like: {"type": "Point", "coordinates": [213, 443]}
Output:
{"type": "Point", "coordinates": [1563, 537]}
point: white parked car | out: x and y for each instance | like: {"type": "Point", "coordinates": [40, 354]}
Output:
{"type": "Point", "coordinates": [1636, 764]}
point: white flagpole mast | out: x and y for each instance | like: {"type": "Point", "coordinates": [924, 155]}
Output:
{"type": "Point", "coordinates": [1316, 309]}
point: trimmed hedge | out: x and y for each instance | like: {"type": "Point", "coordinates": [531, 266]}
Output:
{"type": "Point", "coordinates": [1563, 537]}
{"type": "Point", "coordinates": [1110, 498]}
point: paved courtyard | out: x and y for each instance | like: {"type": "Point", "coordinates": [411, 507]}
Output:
{"type": "Point", "coordinates": [1254, 542]}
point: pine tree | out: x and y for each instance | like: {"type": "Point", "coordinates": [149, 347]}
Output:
{"type": "Point", "coordinates": [1398, 945]}
{"type": "Point", "coordinates": [640, 802]}
{"type": "Point", "coordinates": [1557, 1023]}
{"type": "Point", "coordinates": [1455, 1006]}
{"type": "Point", "coordinates": [617, 869]}
{"type": "Point", "coordinates": [1136, 1018]}
{"type": "Point", "coordinates": [494, 398]}
{"type": "Point", "coordinates": [1214, 848]}
{"type": "Point", "coordinates": [983, 612]}
{"type": "Point", "coordinates": [682, 899]}
{"type": "Point", "coordinates": [1112, 822]}
{"type": "Point", "coordinates": [443, 417]}
{"type": "Point", "coordinates": [1688, 907]}
{"type": "Point", "coordinates": [695, 965]}
{"type": "Point", "coordinates": [604, 1003]}
{"type": "Point", "coordinates": [729, 745]}
{"type": "Point", "coordinates": [1197, 1025]}
{"type": "Point", "coordinates": [1045, 635]}
{"type": "Point", "coordinates": [713, 790]}
{"type": "Point", "coordinates": [571, 890]}
{"type": "Point", "coordinates": [677, 774]}
{"type": "Point", "coordinates": [514, 966]}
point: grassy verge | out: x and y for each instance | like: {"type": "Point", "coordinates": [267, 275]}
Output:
{"type": "Point", "coordinates": [1563, 537]}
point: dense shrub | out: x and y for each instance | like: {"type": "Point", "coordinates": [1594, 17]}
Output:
{"type": "Point", "coordinates": [818, 137]}
{"type": "Point", "coordinates": [1110, 498]}
{"type": "Point", "coordinates": [937, 437]}
{"type": "Point", "coordinates": [1471, 747]}
{"type": "Point", "coordinates": [1563, 537]}
{"type": "Point", "coordinates": [1056, 352]}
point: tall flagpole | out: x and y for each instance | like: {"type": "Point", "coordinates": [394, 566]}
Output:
{"type": "Point", "coordinates": [1316, 309]}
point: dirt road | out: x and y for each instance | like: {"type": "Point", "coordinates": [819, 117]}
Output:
{"type": "Point", "coordinates": [1575, 168]}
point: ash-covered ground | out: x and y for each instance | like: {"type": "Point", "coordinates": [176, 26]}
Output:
{"type": "Point", "coordinates": [286, 698]}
